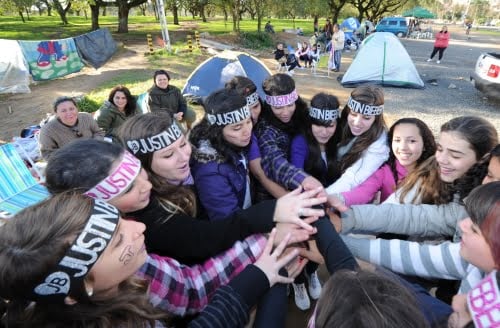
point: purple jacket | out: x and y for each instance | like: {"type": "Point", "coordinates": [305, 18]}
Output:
{"type": "Point", "coordinates": [221, 184]}
{"type": "Point", "coordinates": [382, 180]}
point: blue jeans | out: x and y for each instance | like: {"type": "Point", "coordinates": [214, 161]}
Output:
{"type": "Point", "coordinates": [337, 56]}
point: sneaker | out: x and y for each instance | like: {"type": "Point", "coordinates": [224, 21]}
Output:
{"type": "Point", "coordinates": [301, 298]}
{"type": "Point", "coordinates": [438, 62]}
{"type": "Point", "coordinates": [314, 286]}
{"type": "Point", "coordinates": [301, 67]}
{"type": "Point", "coordinates": [290, 72]}
{"type": "Point", "coordinates": [429, 60]}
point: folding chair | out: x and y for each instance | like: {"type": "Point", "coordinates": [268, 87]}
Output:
{"type": "Point", "coordinates": [142, 102]}
{"type": "Point", "coordinates": [18, 188]}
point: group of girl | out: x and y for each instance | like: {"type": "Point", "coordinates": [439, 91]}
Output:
{"type": "Point", "coordinates": [203, 208]}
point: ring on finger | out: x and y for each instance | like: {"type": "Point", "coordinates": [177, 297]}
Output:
{"type": "Point", "coordinates": [301, 212]}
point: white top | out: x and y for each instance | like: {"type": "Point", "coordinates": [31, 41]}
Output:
{"type": "Point", "coordinates": [371, 159]}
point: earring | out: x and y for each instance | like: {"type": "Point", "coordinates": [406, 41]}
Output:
{"type": "Point", "coordinates": [90, 292]}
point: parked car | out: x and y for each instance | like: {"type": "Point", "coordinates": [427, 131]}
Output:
{"type": "Point", "coordinates": [396, 25]}
{"type": "Point", "coordinates": [486, 76]}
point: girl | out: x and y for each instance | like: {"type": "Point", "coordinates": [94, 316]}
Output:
{"type": "Point", "coordinates": [303, 54]}
{"type": "Point", "coordinates": [457, 168]}
{"type": "Point", "coordinates": [245, 87]}
{"type": "Point", "coordinates": [50, 261]}
{"type": "Point", "coordinates": [285, 59]}
{"type": "Point", "coordinates": [362, 139]}
{"type": "Point", "coordinates": [67, 124]}
{"type": "Point", "coordinates": [165, 97]}
{"type": "Point", "coordinates": [119, 106]}
{"type": "Point", "coordinates": [441, 43]}
{"type": "Point", "coordinates": [314, 151]}
{"type": "Point", "coordinates": [282, 115]}
{"type": "Point", "coordinates": [338, 39]}
{"type": "Point", "coordinates": [412, 142]}
{"type": "Point", "coordinates": [220, 162]}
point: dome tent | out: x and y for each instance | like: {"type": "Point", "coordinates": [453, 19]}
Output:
{"type": "Point", "coordinates": [382, 60]}
{"type": "Point", "coordinates": [212, 74]}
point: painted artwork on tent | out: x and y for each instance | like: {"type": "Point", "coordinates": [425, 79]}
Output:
{"type": "Point", "coordinates": [48, 60]}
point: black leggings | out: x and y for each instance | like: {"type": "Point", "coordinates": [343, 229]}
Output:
{"type": "Point", "coordinates": [441, 50]}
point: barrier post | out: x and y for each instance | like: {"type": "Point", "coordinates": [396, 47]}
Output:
{"type": "Point", "coordinates": [150, 43]}
{"type": "Point", "coordinates": [197, 38]}
{"type": "Point", "coordinates": [190, 43]}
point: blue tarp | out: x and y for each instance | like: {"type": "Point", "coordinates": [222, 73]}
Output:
{"type": "Point", "coordinates": [212, 74]}
{"type": "Point", "coordinates": [96, 47]}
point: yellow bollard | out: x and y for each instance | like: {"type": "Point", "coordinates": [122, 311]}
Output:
{"type": "Point", "coordinates": [190, 43]}
{"type": "Point", "coordinates": [150, 43]}
{"type": "Point", "coordinates": [197, 38]}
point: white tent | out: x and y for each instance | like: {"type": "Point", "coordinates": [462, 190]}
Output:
{"type": "Point", "coordinates": [383, 60]}
{"type": "Point", "coordinates": [14, 74]}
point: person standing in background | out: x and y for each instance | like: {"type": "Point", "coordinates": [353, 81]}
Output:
{"type": "Point", "coordinates": [441, 43]}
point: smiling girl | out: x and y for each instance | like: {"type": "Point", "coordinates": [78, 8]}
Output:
{"type": "Point", "coordinates": [362, 139]}
{"type": "Point", "coordinates": [412, 142]}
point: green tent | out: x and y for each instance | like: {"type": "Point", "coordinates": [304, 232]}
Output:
{"type": "Point", "coordinates": [419, 12]}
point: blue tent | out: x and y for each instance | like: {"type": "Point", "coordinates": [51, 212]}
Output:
{"type": "Point", "coordinates": [349, 26]}
{"type": "Point", "coordinates": [212, 74]}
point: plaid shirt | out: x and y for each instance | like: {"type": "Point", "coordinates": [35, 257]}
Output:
{"type": "Point", "coordinates": [274, 146]}
{"type": "Point", "coordinates": [182, 290]}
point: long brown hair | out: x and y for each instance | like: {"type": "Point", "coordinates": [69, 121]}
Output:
{"type": "Point", "coordinates": [31, 245]}
{"type": "Point", "coordinates": [173, 198]}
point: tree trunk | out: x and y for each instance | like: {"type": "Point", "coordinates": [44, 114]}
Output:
{"type": "Point", "coordinates": [77, 12]}
{"type": "Point", "coordinates": [27, 13]}
{"type": "Point", "coordinates": [94, 15]}
{"type": "Point", "coordinates": [85, 13]}
{"type": "Point", "coordinates": [202, 14]}
{"type": "Point", "coordinates": [123, 11]}
{"type": "Point", "coordinates": [104, 11]}
{"type": "Point", "coordinates": [175, 12]}
{"type": "Point", "coordinates": [21, 14]}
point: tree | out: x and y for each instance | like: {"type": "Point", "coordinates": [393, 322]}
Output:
{"type": "Point", "coordinates": [375, 9]}
{"type": "Point", "coordinates": [62, 10]}
{"type": "Point", "coordinates": [124, 7]}
{"type": "Point", "coordinates": [335, 6]}
{"type": "Point", "coordinates": [49, 6]}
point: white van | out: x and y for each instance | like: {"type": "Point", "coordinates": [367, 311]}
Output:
{"type": "Point", "coordinates": [486, 76]}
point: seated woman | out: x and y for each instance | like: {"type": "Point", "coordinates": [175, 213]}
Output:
{"type": "Point", "coordinates": [72, 261]}
{"type": "Point", "coordinates": [285, 59]}
{"type": "Point", "coordinates": [119, 106]}
{"type": "Point", "coordinates": [165, 97]}
{"type": "Point", "coordinates": [66, 125]}
{"type": "Point", "coordinates": [303, 54]}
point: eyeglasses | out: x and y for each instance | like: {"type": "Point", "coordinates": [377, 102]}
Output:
{"type": "Point", "coordinates": [77, 132]}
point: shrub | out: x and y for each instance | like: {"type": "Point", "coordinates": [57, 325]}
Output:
{"type": "Point", "coordinates": [256, 40]}
{"type": "Point", "coordinates": [86, 104]}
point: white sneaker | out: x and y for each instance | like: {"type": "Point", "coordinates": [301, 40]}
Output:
{"type": "Point", "coordinates": [314, 286]}
{"type": "Point", "coordinates": [301, 298]}
{"type": "Point", "coordinates": [438, 62]}
{"type": "Point", "coordinates": [290, 72]}
{"type": "Point", "coordinates": [301, 67]}
{"type": "Point", "coordinates": [429, 60]}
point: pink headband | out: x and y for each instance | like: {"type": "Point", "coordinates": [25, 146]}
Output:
{"type": "Point", "coordinates": [118, 181]}
{"type": "Point", "coordinates": [483, 302]}
{"type": "Point", "coordinates": [283, 100]}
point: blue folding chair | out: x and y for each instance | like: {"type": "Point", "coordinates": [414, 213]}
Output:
{"type": "Point", "coordinates": [18, 188]}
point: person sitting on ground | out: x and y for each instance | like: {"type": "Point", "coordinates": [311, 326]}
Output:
{"type": "Point", "coordinates": [269, 28]}
{"type": "Point", "coordinates": [285, 59]}
{"type": "Point", "coordinates": [164, 96]}
{"type": "Point", "coordinates": [66, 125]}
{"type": "Point", "coordinates": [119, 106]}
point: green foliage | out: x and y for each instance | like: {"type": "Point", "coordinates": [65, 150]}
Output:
{"type": "Point", "coordinates": [256, 40]}
{"type": "Point", "coordinates": [89, 105]}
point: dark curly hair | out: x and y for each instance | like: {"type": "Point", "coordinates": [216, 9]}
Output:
{"type": "Point", "coordinates": [131, 105]}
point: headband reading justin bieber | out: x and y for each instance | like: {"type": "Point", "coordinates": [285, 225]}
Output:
{"type": "Point", "coordinates": [68, 275]}
{"type": "Point", "coordinates": [484, 302]}
{"type": "Point", "coordinates": [364, 109]}
{"type": "Point", "coordinates": [156, 142]}
{"type": "Point", "coordinates": [252, 99]}
{"type": "Point", "coordinates": [283, 100]}
{"type": "Point", "coordinates": [324, 115]}
{"type": "Point", "coordinates": [231, 117]}
{"type": "Point", "coordinates": [118, 181]}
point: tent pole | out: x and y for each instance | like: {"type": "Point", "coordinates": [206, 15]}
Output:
{"type": "Point", "coordinates": [163, 24]}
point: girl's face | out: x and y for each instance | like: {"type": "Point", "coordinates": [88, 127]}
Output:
{"type": "Point", "coordinates": [172, 162]}
{"type": "Point", "coordinates": [121, 259]}
{"type": "Point", "coordinates": [284, 113]}
{"type": "Point", "coordinates": [323, 133]}
{"type": "Point", "coordinates": [255, 112]}
{"type": "Point", "coordinates": [493, 171]}
{"type": "Point", "coordinates": [359, 123]}
{"type": "Point", "coordinates": [161, 81]}
{"type": "Point", "coordinates": [407, 145]}
{"type": "Point", "coordinates": [136, 197]}
{"type": "Point", "coordinates": [474, 248]}
{"type": "Point", "coordinates": [120, 100]}
{"type": "Point", "coordinates": [67, 113]}
{"type": "Point", "coordinates": [454, 156]}
{"type": "Point", "coordinates": [238, 134]}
